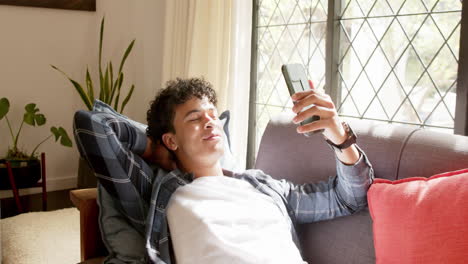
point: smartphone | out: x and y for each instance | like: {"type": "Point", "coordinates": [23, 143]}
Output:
{"type": "Point", "coordinates": [297, 81]}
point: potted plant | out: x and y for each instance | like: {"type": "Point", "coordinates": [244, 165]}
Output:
{"type": "Point", "coordinates": [26, 165]}
{"type": "Point", "coordinates": [109, 93]}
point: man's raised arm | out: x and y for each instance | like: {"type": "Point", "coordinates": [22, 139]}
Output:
{"type": "Point", "coordinates": [344, 193]}
{"type": "Point", "coordinates": [112, 147]}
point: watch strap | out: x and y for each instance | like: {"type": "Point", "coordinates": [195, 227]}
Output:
{"type": "Point", "coordinates": [350, 139]}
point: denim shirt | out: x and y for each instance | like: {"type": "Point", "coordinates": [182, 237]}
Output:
{"type": "Point", "coordinates": [112, 145]}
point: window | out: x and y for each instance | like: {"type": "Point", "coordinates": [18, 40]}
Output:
{"type": "Point", "coordinates": [383, 60]}
{"type": "Point", "coordinates": [399, 60]}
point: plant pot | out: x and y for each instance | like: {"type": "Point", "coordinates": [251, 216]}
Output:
{"type": "Point", "coordinates": [25, 172]}
{"type": "Point", "coordinates": [86, 177]}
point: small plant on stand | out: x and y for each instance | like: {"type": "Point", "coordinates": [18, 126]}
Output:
{"type": "Point", "coordinates": [20, 158]}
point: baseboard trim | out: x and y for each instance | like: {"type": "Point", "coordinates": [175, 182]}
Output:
{"type": "Point", "coordinates": [52, 185]}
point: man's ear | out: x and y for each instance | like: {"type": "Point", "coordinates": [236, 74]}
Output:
{"type": "Point", "coordinates": [170, 141]}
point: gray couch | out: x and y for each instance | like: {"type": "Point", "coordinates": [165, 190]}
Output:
{"type": "Point", "coordinates": [395, 151]}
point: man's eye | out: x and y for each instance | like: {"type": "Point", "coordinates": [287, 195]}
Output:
{"type": "Point", "coordinates": [195, 119]}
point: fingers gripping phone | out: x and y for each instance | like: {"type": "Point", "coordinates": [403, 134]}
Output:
{"type": "Point", "coordinates": [297, 81]}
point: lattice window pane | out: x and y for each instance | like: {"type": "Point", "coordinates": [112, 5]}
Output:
{"type": "Point", "coordinates": [399, 60]}
{"type": "Point", "coordinates": [289, 31]}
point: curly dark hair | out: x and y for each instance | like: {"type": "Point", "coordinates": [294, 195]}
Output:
{"type": "Point", "coordinates": [161, 114]}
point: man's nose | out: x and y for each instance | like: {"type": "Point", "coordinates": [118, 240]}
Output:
{"type": "Point", "coordinates": [209, 121]}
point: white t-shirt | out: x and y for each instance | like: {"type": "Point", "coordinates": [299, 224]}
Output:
{"type": "Point", "coordinates": [219, 219]}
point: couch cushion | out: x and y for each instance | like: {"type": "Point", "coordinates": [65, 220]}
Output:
{"type": "Point", "coordinates": [123, 242]}
{"type": "Point", "coordinates": [342, 240]}
{"type": "Point", "coordinates": [421, 220]}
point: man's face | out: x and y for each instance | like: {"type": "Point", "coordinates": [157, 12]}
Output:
{"type": "Point", "coordinates": [199, 136]}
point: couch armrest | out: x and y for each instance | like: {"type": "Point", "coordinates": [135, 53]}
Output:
{"type": "Point", "coordinates": [90, 236]}
{"type": "Point", "coordinates": [81, 196]}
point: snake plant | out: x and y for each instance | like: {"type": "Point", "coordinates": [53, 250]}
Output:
{"type": "Point", "coordinates": [110, 88]}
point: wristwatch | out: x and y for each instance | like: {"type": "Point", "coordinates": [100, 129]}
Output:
{"type": "Point", "coordinates": [350, 139]}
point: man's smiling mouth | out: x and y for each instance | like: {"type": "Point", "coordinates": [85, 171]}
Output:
{"type": "Point", "coordinates": [212, 137]}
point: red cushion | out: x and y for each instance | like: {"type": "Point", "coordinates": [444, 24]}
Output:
{"type": "Point", "coordinates": [421, 220]}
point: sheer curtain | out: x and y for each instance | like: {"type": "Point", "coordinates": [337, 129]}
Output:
{"type": "Point", "coordinates": [212, 39]}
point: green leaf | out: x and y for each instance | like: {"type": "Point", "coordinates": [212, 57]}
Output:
{"type": "Point", "coordinates": [31, 108]}
{"type": "Point", "coordinates": [40, 119]}
{"type": "Point", "coordinates": [125, 101]}
{"type": "Point", "coordinates": [56, 133]}
{"type": "Point", "coordinates": [4, 107]}
{"type": "Point", "coordinates": [101, 83]}
{"type": "Point", "coordinates": [121, 81]}
{"type": "Point", "coordinates": [116, 103]}
{"type": "Point", "coordinates": [111, 72]}
{"type": "Point", "coordinates": [101, 77]}
{"type": "Point", "coordinates": [78, 88]}
{"type": "Point", "coordinates": [129, 49]}
{"type": "Point", "coordinates": [30, 114]}
{"type": "Point", "coordinates": [113, 86]}
{"type": "Point", "coordinates": [82, 94]}
{"type": "Point", "coordinates": [119, 85]}
{"type": "Point", "coordinates": [106, 86]}
{"type": "Point", "coordinates": [89, 84]}
{"type": "Point", "coordinates": [28, 118]}
{"type": "Point", "coordinates": [32, 117]}
{"type": "Point", "coordinates": [111, 82]}
{"type": "Point", "coordinates": [101, 37]}
{"type": "Point", "coordinates": [65, 139]}
{"type": "Point", "coordinates": [61, 133]}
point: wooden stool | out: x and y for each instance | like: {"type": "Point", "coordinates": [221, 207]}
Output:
{"type": "Point", "coordinates": [41, 183]}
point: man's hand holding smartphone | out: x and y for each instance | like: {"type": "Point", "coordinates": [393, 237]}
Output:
{"type": "Point", "coordinates": [315, 109]}
{"type": "Point", "coordinates": [329, 120]}
{"type": "Point", "coordinates": [324, 108]}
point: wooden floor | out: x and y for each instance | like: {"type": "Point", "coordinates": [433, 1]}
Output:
{"type": "Point", "coordinates": [33, 203]}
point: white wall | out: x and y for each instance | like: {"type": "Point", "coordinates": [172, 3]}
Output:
{"type": "Point", "coordinates": [33, 38]}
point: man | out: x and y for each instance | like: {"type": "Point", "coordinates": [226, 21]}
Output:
{"type": "Point", "coordinates": [246, 217]}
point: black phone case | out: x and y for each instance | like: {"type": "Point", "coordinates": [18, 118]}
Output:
{"type": "Point", "coordinates": [297, 81]}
